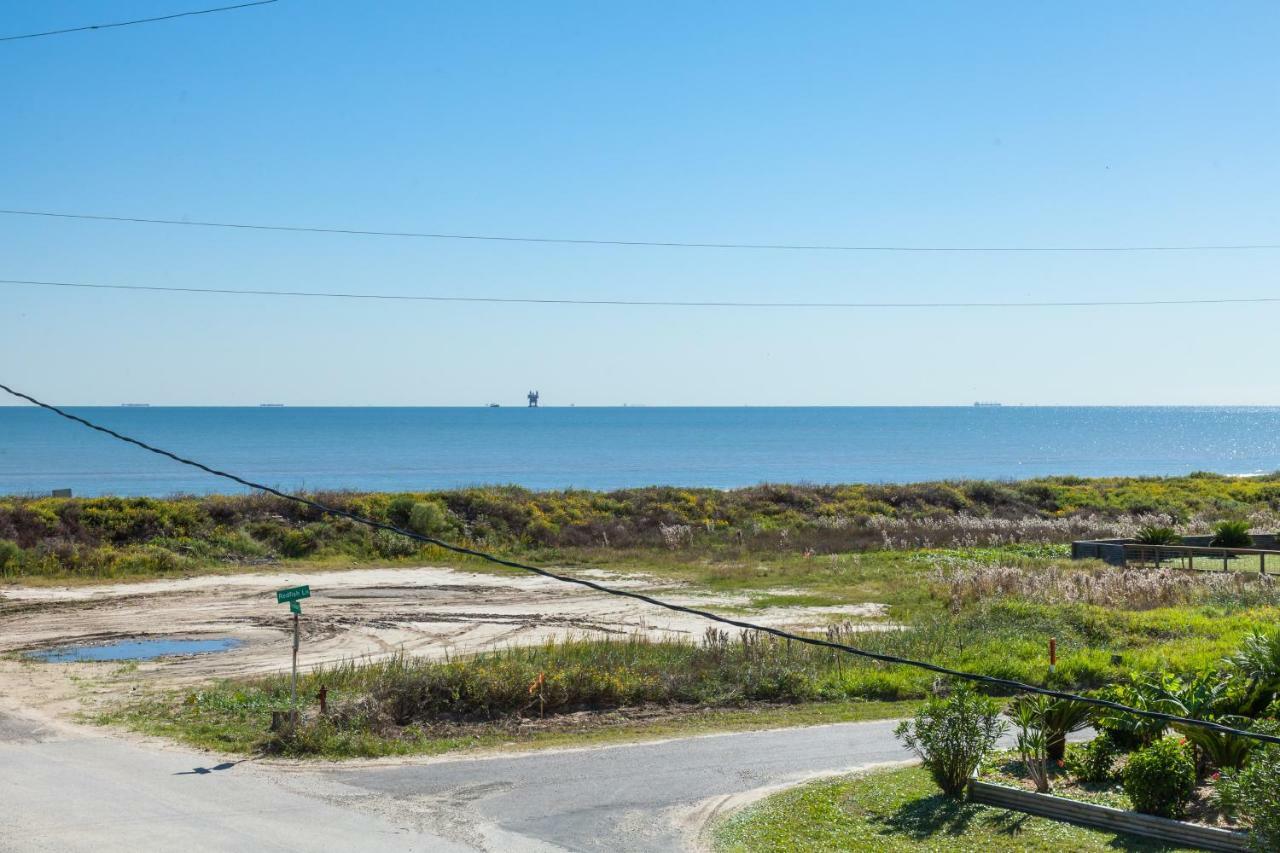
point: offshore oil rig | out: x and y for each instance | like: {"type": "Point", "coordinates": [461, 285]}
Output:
{"type": "Point", "coordinates": [533, 399]}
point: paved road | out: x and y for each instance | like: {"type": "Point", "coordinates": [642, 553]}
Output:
{"type": "Point", "coordinates": [78, 790]}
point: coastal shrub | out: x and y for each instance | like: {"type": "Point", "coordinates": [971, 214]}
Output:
{"type": "Point", "coordinates": [1231, 534]}
{"type": "Point", "coordinates": [1160, 778]}
{"type": "Point", "coordinates": [398, 510]}
{"type": "Point", "coordinates": [10, 557]}
{"type": "Point", "coordinates": [1094, 761]}
{"type": "Point", "coordinates": [763, 520]}
{"type": "Point", "coordinates": [429, 518]}
{"type": "Point", "coordinates": [953, 735]}
{"type": "Point", "coordinates": [1252, 793]}
{"type": "Point", "coordinates": [393, 545]}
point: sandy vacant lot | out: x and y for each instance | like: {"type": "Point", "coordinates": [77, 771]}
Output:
{"type": "Point", "coordinates": [351, 614]}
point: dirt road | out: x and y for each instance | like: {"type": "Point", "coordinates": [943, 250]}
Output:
{"type": "Point", "coordinates": [351, 614]}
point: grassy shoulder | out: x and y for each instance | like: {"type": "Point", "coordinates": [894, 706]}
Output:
{"type": "Point", "coordinates": [900, 810]}
{"type": "Point", "coordinates": [224, 719]}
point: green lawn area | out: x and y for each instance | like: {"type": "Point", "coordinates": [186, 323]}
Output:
{"type": "Point", "coordinates": [900, 810]}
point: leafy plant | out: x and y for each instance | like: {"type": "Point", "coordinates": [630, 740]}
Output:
{"type": "Point", "coordinates": [1130, 731]}
{"type": "Point", "coordinates": [1095, 760]}
{"type": "Point", "coordinates": [1057, 718]}
{"type": "Point", "coordinates": [1253, 793]}
{"type": "Point", "coordinates": [1218, 749]}
{"type": "Point", "coordinates": [1028, 715]}
{"type": "Point", "coordinates": [952, 736]}
{"type": "Point", "coordinates": [1160, 778]}
{"type": "Point", "coordinates": [1258, 660]}
{"type": "Point", "coordinates": [1231, 534]}
{"type": "Point", "coordinates": [1156, 535]}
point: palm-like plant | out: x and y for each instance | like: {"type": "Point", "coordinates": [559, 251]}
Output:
{"type": "Point", "coordinates": [1231, 534]}
{"type": "Point", "coordinates": [1057, 718]}
{"type": "Point", "coordinates": [1210, 697]}
{"type": "Point", "coordinates": [1224, 751]}
{"type": "Point", "coordinates": [1155, 535]}
{"type": "Point", "coordinates": [1258, 660]}
{"type": "Point", "coordinates": [1028, 715]}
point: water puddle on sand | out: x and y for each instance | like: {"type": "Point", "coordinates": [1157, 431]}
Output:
{"type": "Point", "coordinates": [133, 650]}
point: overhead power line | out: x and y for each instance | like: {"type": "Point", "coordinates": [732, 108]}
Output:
{"type": "Point", "coordinates": [668, 244]}
{"type": "Point", "coordinates": [1004, 683]}
{"type": "Point", "coordinates": [643, 303]}
{"type": "Point", "coordinates": [136, 21]}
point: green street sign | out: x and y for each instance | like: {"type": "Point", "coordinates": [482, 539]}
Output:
{"type": "Point", "coordinates": [295, 607]}
{"type": "Point", "coordinates": [292, 594]}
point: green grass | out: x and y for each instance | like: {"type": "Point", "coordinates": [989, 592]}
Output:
{"type": "Point", "coordinates": [229, 718]}
{"type": "Point", "coordinates": [900, 810]}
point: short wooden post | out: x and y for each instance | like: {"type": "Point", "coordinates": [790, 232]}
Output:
{"type": "Point", "coordinates": [1224, 560]}
{"type": "Point", "coordinates": [1262, 563]}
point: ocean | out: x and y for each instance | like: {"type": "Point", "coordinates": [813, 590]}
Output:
{"type": "Point", "coordinates": [611, 448]}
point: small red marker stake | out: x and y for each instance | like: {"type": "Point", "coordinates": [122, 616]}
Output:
{"type": "Point", "coordinates": [1053, 654]}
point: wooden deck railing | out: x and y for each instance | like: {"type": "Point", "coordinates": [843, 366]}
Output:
{"type": "Point", "coordinates": [1154, 555]}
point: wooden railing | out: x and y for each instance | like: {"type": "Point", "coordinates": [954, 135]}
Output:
{"type": "Point", "coordinates": [1155, 555]}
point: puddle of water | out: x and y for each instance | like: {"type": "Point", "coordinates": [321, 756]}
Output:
{"type": "Point", "coordinates": [133, 650]}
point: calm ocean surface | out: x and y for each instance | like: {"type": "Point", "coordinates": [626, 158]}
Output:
{"type": "Point", "coordinates": [382, 448]}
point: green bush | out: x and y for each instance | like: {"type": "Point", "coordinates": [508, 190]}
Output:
{"type": "Point", "coordinates": [1253, 793]}
{"type": "Point", "coordinates": [398, 510]}
{"type": "Point", "coordinates": [1159, 778]}
{"type": "Point", "coordinates": [1231, 534]}
{"type": "Point", "coordinates": [429, 518]}
{"type": "Point", "coordinates": [393, 545]}
{"type": "Point", "coordinates": [952, 736]}
{"type": "Point", "coordinates": [10, 557]}
{"type": "Point", "coordinates": [1094, 761]}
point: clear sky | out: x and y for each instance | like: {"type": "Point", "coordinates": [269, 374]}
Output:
{"type": "Point", "coordinates": [964, 123]}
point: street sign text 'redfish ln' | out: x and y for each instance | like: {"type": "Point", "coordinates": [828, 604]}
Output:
{"type": "Point", "coordinates": [292, 594]}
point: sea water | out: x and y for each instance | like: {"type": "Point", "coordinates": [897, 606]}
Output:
{"type": "Point", "coordinates": [610, 448]}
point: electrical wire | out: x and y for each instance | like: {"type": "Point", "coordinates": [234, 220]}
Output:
{"type": "Point", "coordinates": [667, 244]}
{"type": "Point", "coordinates": [1003, 683]}
{"type": "Point", "coordinates": [137, 21]}
{"type": "Point", "coordinates": [645, 303]}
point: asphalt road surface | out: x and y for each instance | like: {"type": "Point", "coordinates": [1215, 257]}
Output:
{"type": "Point", "coordinates": [74, 789]}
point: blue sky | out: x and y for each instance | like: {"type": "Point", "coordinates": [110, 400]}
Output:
{"type": "Point", "coordinates": [907, 123]}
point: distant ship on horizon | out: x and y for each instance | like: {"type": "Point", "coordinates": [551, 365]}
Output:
{"type": "Point", "coordinates": [271, 405]}
{"type": "Point", "coordinates": [983, 404]}
{"type": "Point", "coordinates": [135, 405]}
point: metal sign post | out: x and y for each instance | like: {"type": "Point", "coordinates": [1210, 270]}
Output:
{"type": "Point", "coordinates": [293, 595]}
